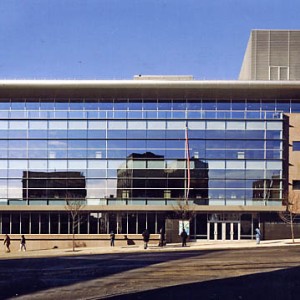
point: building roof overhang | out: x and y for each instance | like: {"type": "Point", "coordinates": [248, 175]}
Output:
{"type": "Point", "coordinates": [150, 89]}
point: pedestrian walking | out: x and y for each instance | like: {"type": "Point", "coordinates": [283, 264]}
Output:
{"type": "Point", "coordinates": [7, 243]}
{"type": "Point", "coordinates": [257, 235]}
{"type": "Point", "coordinates": [161, 237]}
{"type": "Point", "coordinates": [146, 238]}
{"type": "Point", "coordinates": [183, 237]}
{"type": "Point", "coordinates": [23, 243]}
{"type": "Point", "coordinates": [112, 238]}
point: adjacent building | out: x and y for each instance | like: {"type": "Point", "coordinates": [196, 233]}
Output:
{"type": "Point", "coordinates": [131, 150]}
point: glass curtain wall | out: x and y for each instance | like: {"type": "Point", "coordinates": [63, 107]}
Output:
{"type": "Point", "coordinates": [136, 152]}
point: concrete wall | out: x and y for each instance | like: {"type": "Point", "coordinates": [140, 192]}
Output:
{"type": "Point", "coordinates": [273, 231]}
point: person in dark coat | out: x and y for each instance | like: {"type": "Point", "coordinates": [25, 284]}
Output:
{"type": "Point", "coordinates": [7, 243]}
{"type": "Point", "coordinates": [112, 239]}
{"type": "Point", "coordinates": [183, 237]}
{"type": "Point", "coordinates": [23, 243]}
{"type": "Point", "coordinates": [161, 237]}
{"type": "Point", "coordinates": [146, 238]}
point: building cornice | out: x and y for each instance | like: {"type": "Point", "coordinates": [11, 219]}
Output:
{"type": "Point", "coordinates": [147, 89]}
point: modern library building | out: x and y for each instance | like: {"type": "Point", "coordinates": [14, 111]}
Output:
{"type": "Point", "coordinates": [131, 150]}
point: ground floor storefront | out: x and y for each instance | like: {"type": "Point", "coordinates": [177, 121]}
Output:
{"type": "Point", "coordinates": [97, 225]}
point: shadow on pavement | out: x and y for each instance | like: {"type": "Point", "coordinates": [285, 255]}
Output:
{"type": "Point", "coordinates": [283, 284]}
{"type": "Point", "coordinates": [28, 275]}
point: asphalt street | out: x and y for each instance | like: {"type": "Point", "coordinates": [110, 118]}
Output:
{"type": "Point", "coordinates": [248, 273]}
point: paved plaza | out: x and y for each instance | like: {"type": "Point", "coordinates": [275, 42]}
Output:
{"type": "Point", "coordinates": [203, 270]}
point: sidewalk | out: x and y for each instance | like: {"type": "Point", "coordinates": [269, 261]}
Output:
{"type": "Point", "coordinates": [192, 246]}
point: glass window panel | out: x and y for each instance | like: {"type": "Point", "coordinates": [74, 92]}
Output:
{"type": "Point", "coordinates": [156, 134]}
{"type": "Point", "coordinates": [220, 174]}
{"type": "Point", "coordinates": [156, 125]}
{"type": "Point", "coordinates": [283, 106]}
{"type": "Point", "coordinates": [179, 104]}
{"type": "Point", "coordinates": [117, 153]}
{"type": "Point", "coordinates": [17, 133]}
{"type": "Point", "coordinates": [273, 144]}
{"type": "Point", "coordinates": [18, 164]}
{"type": "Point", "coordinates": [73, 144]}
{"type": "Point", "coordinates": [274, 125]}
{"type": "Point", "coordinates": [97, 124]}
{"type": "Point", "coordinates": [254, 144]}
{"type": "Point", "coordinates": [17, 144]}
{"type": "Point", "coordinates": [77, 125]}
{"type": "Point", "coordinates": [76, 104]}
{"type": "Point", "coordinates": [38, 125]}
{"type": "Point", "coordinates": [96, 164]}
{"type": "Point", "coordinates": [173, 134]}
{"type": "Point", "coordinates": [97, 144]}
{"type": "Point", "coordinates": [3, 125]}
{"type": "Point", "coordinates": [273, 134]}
{"type": "Point", "coordinates": [296, 146]}
{"type": "Point", "coordinates": [134, 144]}
{"type": "Point", "coordinates": [255, 165]}
{"type": "Point", "coordinates": [215, 144]}
{"type": "Point", "coordinates": [136, 134]}
{"type": "Point", "coordinates": [139, 164]}
{"type": "Point", "coordinates": [21, 125]}
{"type": "Point", "coordinates": [176, 125]}
{"type": "Point", "coordinates": [59, 144]}
{"type": "Point", "coordinates": [217, 164]}
{"type": "Point", "coordinates": [238, 174]}
{"type": "Point", "coordinates": [254, 134]}
{"type": "Point", "coordinates": [35, 134]}
{"type": "Point", "coordinates": [209, 105]}
{"type": "Point", "coordinates": [58, 125]}
{"type": "Point", "coordinates": [233, 164]}
{"type": "Point", "coordinates": [238, 105]}
{"type": "Point", "coordinates": [34, 153]}
{"type": "Point", "coordinates": [116, 134]}
{"type": "Point", "coordinates": [268, 105]}
{"type": "Point", "coordinates": [253, 105]}
{"type": "Point", "coordinates": [215, 134]}
{"type": "Point", "coordinates": [153, 164]}
{"type": "Point", "coordinates": [37, 164]}
{"type": "Point", "coordinates": [77, 153]}
{"type": "Point", "coordinates": [3, 164]}
{"type": "Point", "coordinates": [295, 106]}
{"type": "Point", "coordinates": [57, 164]}
{"type": "Point", "coordinates": [255, 125]}
{"type": "Point", "coordinates": [150, 104]}
{"type": "Point", "coordinates": [37, 144]}
{"type": "Point", "coordinates": [116, 144]}
{"type": "Point", "coordinates": [20, 153]}
{"type": "Point", "coordinates": [137, 125]}
{"type": "Point", "coordinates": [77, 134]}
{"type": "Point", "coordinates": [196, 125]}
{"type": "Point", "coordinates": [274, 165]}
{"type": "Point", "coordinates": [234, 125]}
{"type": "Point", "coordinates": [215, 125]}
{"type": "Point", "coordinates": [135, 105]}
{"type": "Point", "coordinates": [77, 164]}
{"type": "Point", "coordinates": [116, 124]}
{"type": "Point", "coordinates": [223, 104]}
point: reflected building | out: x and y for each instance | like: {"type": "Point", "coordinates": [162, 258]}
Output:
{"type": "Point", "coordinates": [53, 186]}
{"type": "Point", "coordinates": [155, 178]}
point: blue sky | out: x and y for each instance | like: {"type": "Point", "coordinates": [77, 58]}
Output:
{"type": "Point", "coordinates": [116, 39]}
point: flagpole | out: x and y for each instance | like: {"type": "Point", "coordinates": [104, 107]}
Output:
{"type": "Point", "coordinates": [187, 166]}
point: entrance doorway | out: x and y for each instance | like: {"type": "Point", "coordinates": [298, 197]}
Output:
{"type": "Point", "coordinates": [223, 231]}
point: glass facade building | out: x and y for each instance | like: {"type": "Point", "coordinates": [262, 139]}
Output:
{"type": "Point", "coordinates": [133, 152]}
{"type": "Point", "coordinates": [130, 151]}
